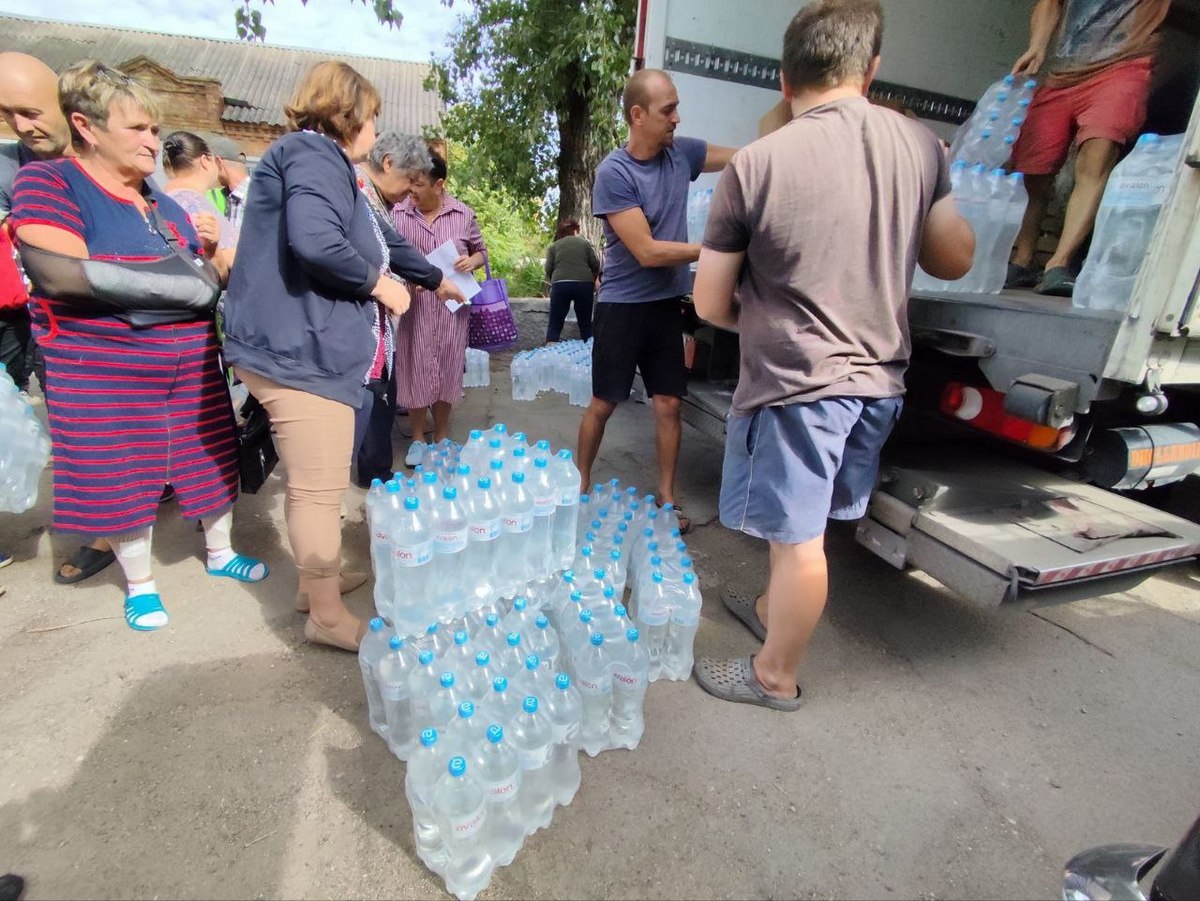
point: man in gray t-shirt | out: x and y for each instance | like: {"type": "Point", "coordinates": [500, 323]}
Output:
{"type": "Point", "coordinates": [816, 229]}
{"type": "Point", "coordinates": [641, 194]}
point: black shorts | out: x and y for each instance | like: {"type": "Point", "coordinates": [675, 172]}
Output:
{"type": "Point", "coordinates": [638, 336]}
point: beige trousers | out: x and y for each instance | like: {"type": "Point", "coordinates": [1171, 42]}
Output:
{"type": "Point", "coordinates": [314, 437]}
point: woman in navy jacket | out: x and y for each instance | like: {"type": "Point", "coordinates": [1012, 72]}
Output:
{"type": "Point", "coordinates": [307, 318]}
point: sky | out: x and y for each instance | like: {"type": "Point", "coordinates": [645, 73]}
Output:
{"type": "Point", "coordinates": [335, 26]}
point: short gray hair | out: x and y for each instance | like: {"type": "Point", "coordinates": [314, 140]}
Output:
{"type": "Point", "coordinates": [405, 151]}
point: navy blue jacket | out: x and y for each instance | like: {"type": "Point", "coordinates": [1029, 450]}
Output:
{"type": "Point", "coordinates": [299, 309]}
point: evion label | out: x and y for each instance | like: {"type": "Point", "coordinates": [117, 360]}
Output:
{"type": "Point", "coordinates": [1139, 190]}
{"type": "Point", "coordinates": [469, 825]}
{"type": "Point", "coordinates": [485, 531]}
{"type": "Point", "coordinates": [592, 686]}
{"type": "Point", "coordinates": [534, 758]}
{"type": "Point", "coordinates": [655, 614]}
{"type": "Point", "coordinates": [521, 522]}
{"type": "Point", "coordinates": [450, 541]}
{"type": "Point", "coordinates": [413, 556]}
{"type": "Point", "coordinates": [381, 536]}
{"type": "Point", "coordinates": [506, 789]}
{"type": "Point", "coordinates": [569, 499]}
{"type": "Point", "coordinates": [393, 691]}
{"type": "Point", "coordinates": [544, 506]}
{"type": "Point", "coordinates": [626, 680]}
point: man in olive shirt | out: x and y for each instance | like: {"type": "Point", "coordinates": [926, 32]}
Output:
{"type": "Point", "coordinates": [817, 228]}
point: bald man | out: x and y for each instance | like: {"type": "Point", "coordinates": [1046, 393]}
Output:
{"type": "Point", "coordinates": [641, 194]}
{"type": "Point", "coordinates": [29, 106]}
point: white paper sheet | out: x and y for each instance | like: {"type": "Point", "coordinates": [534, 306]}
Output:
{"type": "Point", "coordinates": [443, 257]}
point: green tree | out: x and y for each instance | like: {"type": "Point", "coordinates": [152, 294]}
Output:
{"type": "Point", "coordinates": [535, 87]}
{"type": "Point", "coordinates": [250, 24]}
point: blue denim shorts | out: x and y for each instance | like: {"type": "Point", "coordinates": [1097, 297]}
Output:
{"type": "Point", "coordinates": [789, 469]}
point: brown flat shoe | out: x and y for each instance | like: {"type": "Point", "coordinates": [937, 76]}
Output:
{"type": "Point", "coordinates": [348, 582]}
{"type": "Point", "coordinates": [318, 634]}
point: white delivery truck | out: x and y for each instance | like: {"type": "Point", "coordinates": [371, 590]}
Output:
{"type": "Point", "coordinates": [1028, 409]}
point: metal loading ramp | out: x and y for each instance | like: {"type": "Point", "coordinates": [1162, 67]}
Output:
{"type": "Point", "coordinates": [995, 531]}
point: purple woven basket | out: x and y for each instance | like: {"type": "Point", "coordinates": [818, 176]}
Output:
{"type": "Point", "coordinates": [492, 326]}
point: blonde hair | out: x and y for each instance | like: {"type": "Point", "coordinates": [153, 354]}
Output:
{"type": "Point", "coordinates": [333, 99]}
{"type": "Point", "coordinates": [91, 88]}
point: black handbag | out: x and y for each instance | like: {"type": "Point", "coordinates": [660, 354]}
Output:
{"type": "Point", "coordinates": [256, 448]}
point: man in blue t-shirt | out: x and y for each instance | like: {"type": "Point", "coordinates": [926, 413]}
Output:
{"type": "Point", "coordinates": [641, 194]}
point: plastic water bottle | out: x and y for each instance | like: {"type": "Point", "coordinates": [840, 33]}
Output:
{"type": "Point", "coordinates": [394, 670]}
{"type": "Point", "coordinates": [543, 641]}
{"type": "Point", "coordinates": [449, 546]}
{"type": "Point", "coordinates": [545, 502]}
{"type": "Point", "coordinates": [512, 561]}
{"type": "Point", "coordinates": [425, 768]}
{"type": "Point", "coordinates": [593, 677]}
{"type": "Point", "coordinates": [502, 704]}
{"type": "Point", "coordinates": [536, 679]}
{"type": "Point", "coordinates": [460, 656]}
{"type": "Point", "coordinates": [698, 202]}
{"type": "Point", "coordinates": [483, 534]}
{"type": "Point", "coordinates": [677, 655]}
{"type": "Point", "coordinates": [533, 738]}
{"type": "Point", "coordinates": [560, 596]}
{"type": "Point", "coordinates": [499, 771]}
{"type": "Point", "coordinates": [492, 635]}
{"type": "Point", "coordinates": [466, 732]}
{"type": "Point", "coordinates": [371, 649]}
{"type": "Point", "coordinates": [1129, 210]}
{"type": "Point", "coordinates": [443, 706]}
{"type": "Point", "coordinates": [25, 450]}
{"type": "Point", "coordinates": [631, 676]}
{"type": "Point", "coordinates": [478, 677]}
{"type": "Point", "coordinates": [1016, 200]}
{"type": "Point", "coordinates": [381, 550]}
{"type": "Point", "coordinates": [510, 659]}
{"type": "Point", "coordinates": [564, 708]}
{"type": "Point", "coordinates": [654, 606]}
{"type": "Point", "coordinates": [411, 542]}
{"type": "Point", "coordinates": [521, 618]}
{"type": "Point", "coordinates": [461, 810]}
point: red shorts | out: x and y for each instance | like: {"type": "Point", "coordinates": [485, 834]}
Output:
{"type": "Point", "coordinates": [1110, 105]}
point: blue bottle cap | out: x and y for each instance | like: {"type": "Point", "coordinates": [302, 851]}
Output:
{"type": "Point", "coordinates": [530, 704]}
{"type": "Point", "coordinates": [542, 622]}
{"type": "Point", "coordinates": [491, 619]}
{"type": "Point", "coordinates": [513, 639]}
{"type": "Point", "coordinates": [564, 454]}
{"type": "Point", "coordinates": [576, 596]}
{"type": "Point", "coordinates": [429, 478]}
{"type": "Point", "coordinates": [457, 767]}
{"type": "Point", "coordinates": [495, 733]}
{"type": "Point", "coordinates": [532, 662]}
{"type": "Point", "coordinates": [689, 578]}
{"type": "Point", "coordinates": [597, 639]}
{"type": "Point", "coordinates": [463, 469]}
{"type": "Point", "coordinates": [497, 465]}
{"type": "Point", "coordinates": [586, 550]}
{"type": "Point", "coordinates": [541, 463]}
{"type": "Point", "coordinates": [631, 633]}
{"type": "Point", "coordinates": [483, 658]}
{"type": "Point", "coordinates": [431, 629]}
{"type": "Point", "coordinates": [598, 573]}
{"type": "Point", "coordinates": [499, 428]}
{"type": "Point", "coordinates": [494, 444]}
{"type": "Point", "coordinates": [562, 681]}
{"type": "Point", "coordinates": [614, 554]}
{"type": "Point", "coordinates": [429, 737]}
{"type": "Point", "coordinates": [520, 604]}
{"type": "Point", "coordinates": [376, 624]}
{"type": "Point", "coordinates": [450, 493]}
{"type": "Point", "coordinates": [447, 680]}
{"type": "Point", "coordinates": [500, 683]}
{"type": "Point", "coordinates": [392, 487]}
{"type": "Point", "coordinates": [395, 642]}
{"type": "Point", "coordinates": [460, 637]}
{"type": "Point", "coordinates": [568, 575]}
{"type": "Point", "coordinates": [518, 477]}
{"type": "Point", "coordinates": [376, 483]}
{"type": "Point", "coordinates": [425, 658]}
{"type": "Point", "coordinates": [475, 434]}
{"type": "Point", "coordinates": [609, 591]}
{"type": "Point", "coordinates": [620, 611]}
{"type": "Point", "coordinates": [466, 710]}
{"type": "Point", "coordinates": [656, 561]}
{"type": "Point", "coordinates": [583, 498]}
{"type": "Point", "coordinates": [485, 483]}
{"type": "Point", "coordinates": [657, 577]}
{"type": "Point", "coordinates": [518, 452]}
{"type": "Point", "coordinates": [585, 615]}
{"type": "Point", "coordinates": [411, 502]}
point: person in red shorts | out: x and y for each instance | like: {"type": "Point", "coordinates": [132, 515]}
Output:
{"type": "Point", "coordinates": [1094, 59]}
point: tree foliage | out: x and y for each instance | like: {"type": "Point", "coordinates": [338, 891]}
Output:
{"type": "Point", "coordinates": [535, 88]}
{"type": "Point", "coordinates": [249, 23]}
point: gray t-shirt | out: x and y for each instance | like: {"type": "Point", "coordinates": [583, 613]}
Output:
{"type": "Point", "coordinates": [12, 157]}
{"type": "Point", "coordinates": [659, 186]}
{"type": "Point", "coordinates": [829, 210]}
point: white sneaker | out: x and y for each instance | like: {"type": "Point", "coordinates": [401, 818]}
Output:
{"type": "Point", "coordinates": [416, 453]}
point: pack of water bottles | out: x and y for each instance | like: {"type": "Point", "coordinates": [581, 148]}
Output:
{"type": "Point", "coordinates": [25, 450]}
{"type": "Point", "coordinates": [1129, 210]}
{"type": "Point", "coordinates": [492, 663]}
{"type": "Point", "coordinates": [477, 372]}
{"type": "Point", "coordinates": [988, 137]}
{"type": "Point", "coordinates": [699, 201]}
{"type": "Point", "coordinates": [565, 367]}
{"type": "Point", "coordinates": [994, 203]}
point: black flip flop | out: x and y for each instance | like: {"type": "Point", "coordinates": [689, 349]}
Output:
{"type": "Point", "coordinates": [88, 561]}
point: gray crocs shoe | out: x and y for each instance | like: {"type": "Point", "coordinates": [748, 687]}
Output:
{"type": "Point", "coordinates": [743, 608]}
{"type": "Point", "coordinates": [734, 680]}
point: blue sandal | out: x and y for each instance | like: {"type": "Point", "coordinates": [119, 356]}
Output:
{"type": "Point", "coordinates": [240, 568]}
{"type": "Point", "coordinates": [140, 610]}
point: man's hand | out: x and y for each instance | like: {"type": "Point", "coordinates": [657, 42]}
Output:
{"type": "Point", "coordinates": [209, 231]}
{"type": "Point", "coordinates": [447, 290]}
{"type": "Point", "coordinates": [392, 294]}
{"type": "Point", "coordinates": [1029, 62]}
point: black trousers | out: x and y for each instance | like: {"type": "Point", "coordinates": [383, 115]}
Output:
{"type": "Point", "coordinates": [562, 295]}
{"type": "Point", "coordinates": [373, 421]}
{"type": "Point", "coordinates": [16, 345]}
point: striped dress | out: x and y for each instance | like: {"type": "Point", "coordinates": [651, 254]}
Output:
{"type": "Point", "coordinates": [431, 342]}
{"type": "Point", "coordinates": [130, 409]}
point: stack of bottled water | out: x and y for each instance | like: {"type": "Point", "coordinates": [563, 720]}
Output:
{"type": "Point", "coordinates": [1128, 213]}
{"type": "Point", "coordinates": [698, 202]}
{"type": "Point", "coordinates": [24, 451]}
{"type": "Point", "coordinates": [987, 137]}
{"type": "Point", "coordinates": [504, 646]}
{"type": "Point", "coordinates": [994, 203]}
{"type": "Point", "coordinates": [565, 367]}
{"type": "Point", "coordinates": [477, 373]}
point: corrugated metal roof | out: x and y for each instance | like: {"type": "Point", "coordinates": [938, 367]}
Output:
{"type": "Point", "coordinates": [256, 79]}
